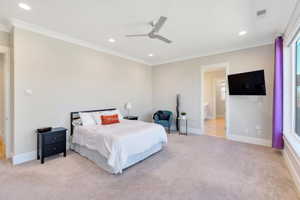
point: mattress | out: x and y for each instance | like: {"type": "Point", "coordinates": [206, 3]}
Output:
{"type": "Point", "coordinates": [117, 143]}
{"type": "Point", "coordinates": [101, 161]}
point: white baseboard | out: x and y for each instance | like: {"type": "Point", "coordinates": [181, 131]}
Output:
{"type": "Point", "coordinates": [24, 157]}
{"type": "Point", "coordinates": [251, 140]}
{"type": "Point", "coordinates": [195, 131]}
{"type": "Point", "coordinates": [293, 163]}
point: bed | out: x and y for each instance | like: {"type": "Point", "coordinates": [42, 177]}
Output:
{"type": "Point", "coordinates": [116, 147]}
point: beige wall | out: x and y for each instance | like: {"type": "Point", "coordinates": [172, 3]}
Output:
{"type": "Point", "coordinates": [63, 78]}
{"type": "Point", "coordinates": [249, 116]}
{"type": "Point", "coordinates": [4, 38]}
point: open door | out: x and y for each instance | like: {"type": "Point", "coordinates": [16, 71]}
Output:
{"type": "Point", "coordinates": [214, 103]}
{"type": "Point", "coordinates": [2, 121]}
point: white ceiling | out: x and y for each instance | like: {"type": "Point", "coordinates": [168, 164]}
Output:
{"type": "Point", "coordinates": [196, 27]}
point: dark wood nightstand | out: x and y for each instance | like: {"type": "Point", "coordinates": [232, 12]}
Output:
{"type": "Point", "coordinates": [51, 142]}
{"type": "Point", "coordinates": [131, 117]}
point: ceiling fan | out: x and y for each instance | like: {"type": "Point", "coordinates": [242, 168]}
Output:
{"type": "Point", "coordinates": [153, 33]}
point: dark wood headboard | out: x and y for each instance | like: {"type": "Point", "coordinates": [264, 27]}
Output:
{"type": "Point", "coordinates": [75, 115]}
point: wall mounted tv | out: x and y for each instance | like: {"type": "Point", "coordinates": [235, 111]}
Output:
{"type": "Point", "coordinates": [249, 83]}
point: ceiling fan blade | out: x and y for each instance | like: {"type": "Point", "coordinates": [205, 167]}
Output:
{"type": "Point", "coordinates": [159, 24]}
{"type": "Point", "coordinates": [162, 38]}
{"type": "Point", "coordinates": [137, 35]}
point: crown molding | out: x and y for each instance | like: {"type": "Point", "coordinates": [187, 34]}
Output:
{"type": "Point", "coordinates": [212, 53]}
{"type": "Point", "coordinates": [53, 34]}
{"type": "Point", "coordinates": [49, 33]}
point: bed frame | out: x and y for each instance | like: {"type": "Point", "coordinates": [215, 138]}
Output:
{"type": "Point", "coordinates": [100, 160]}
{"type": "Point", "coordinates": [75, 115]}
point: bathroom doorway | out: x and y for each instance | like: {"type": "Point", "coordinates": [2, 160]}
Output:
{"type": "Point", "coordinates": [214, 100]}
{"type": "Point", "coordinates": [2, 120]}
{"type": "Point", "coordinates": [6, 136]}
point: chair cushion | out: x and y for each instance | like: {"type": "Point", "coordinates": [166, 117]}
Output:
{"type": "Point", "coordinates": [163, 116]}
{"type": "Point", "coordinates": [163, 122]}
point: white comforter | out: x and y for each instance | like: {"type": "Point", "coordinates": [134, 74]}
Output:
{"type": "Point", "coordinates": [117, 142]}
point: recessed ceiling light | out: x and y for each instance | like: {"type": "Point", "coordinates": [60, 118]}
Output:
{"type": "Point", "coordinates": [112, 40]}
{"type": "Point", "coordinates": [24, 6]}
{"type": "Point", "coordinates": [150, 55]}
{"type": "Point", "coordinates": [241, 33]}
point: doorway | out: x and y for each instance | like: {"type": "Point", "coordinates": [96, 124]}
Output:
{"type": "Point", "coordinates": [2, 135]}
{"type": "Point", "coordinates": [6, 136]}
{"type": "Point", "coordinates": [214, 100]}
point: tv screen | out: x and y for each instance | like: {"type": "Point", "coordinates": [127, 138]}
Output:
{"type": "Point", "coordinates": [249, 83]}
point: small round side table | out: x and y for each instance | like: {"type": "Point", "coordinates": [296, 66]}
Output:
{"type": "Point", "coordinates": [186, 125]}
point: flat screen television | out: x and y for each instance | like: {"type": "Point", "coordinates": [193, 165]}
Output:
{"type": "Point", "coordinates": [249, 83]}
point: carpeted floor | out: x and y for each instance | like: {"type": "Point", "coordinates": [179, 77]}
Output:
{"type": "Point", "coordinates": [190, 167]}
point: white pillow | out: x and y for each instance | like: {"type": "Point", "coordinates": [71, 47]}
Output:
{"type": "Point", "coordinates": [87, 119]}
{"type": "Point", "coordinates": [77, 122]}
{"type": "Point", "coordinates": [97, 115]}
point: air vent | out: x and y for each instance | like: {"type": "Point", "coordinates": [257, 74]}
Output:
{"type": "Point", "coordinates": [261, 13]}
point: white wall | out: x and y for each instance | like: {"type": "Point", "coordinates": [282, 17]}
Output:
{"type": "Point", "coordinates": [63, 78]}
{"type": "Point", "coordinates": [1, 94]}
{"type": "Point", "coordinates": [4, 38]}
{"type": "Point", "coordinates": [209, 83]}
{"type": "Point", "coordinates": [220, 103]}
{"type": "Point", "coordinates": [246, 113]}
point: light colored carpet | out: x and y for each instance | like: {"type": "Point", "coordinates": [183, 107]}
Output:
{"type": "Point", "coordinates": [190, 167]}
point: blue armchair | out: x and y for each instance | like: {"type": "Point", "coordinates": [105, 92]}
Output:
{"type": "Point", "coordinates": [164, 118]}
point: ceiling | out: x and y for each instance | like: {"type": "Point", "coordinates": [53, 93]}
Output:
{"type": "Point", "coordinates": [196, 27]}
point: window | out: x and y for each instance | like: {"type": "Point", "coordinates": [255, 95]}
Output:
{"type": "Point", "coordinates": [297, 92]}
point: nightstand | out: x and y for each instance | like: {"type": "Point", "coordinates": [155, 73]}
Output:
{"type": "Point", "coordinates": [51, 142]}
{"type": "Point", "coordinates": [131, 117]}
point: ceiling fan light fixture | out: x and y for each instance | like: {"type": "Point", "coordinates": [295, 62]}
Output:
{"type": "Point", "coordinates": [153, 34]}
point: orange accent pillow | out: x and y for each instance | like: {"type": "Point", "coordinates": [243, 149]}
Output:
{"type": "Point", "coordinates": [109, 119]}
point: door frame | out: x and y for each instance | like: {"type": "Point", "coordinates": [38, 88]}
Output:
{"type": "Point", "coordinates": [215, 67]}
{"type": "Point", "coordinates": [7, 129]}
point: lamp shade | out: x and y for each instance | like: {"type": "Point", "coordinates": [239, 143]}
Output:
{"type": "Point", "coordinates": [128, 106]}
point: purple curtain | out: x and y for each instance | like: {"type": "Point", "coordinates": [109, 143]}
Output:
{"type": "Point", "coordinates": [278, 96]}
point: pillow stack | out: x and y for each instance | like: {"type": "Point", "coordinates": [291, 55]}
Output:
{"type": "Point", "coordinates": [100, 118]}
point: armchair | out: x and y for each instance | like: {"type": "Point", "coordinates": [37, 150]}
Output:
{"type": "Point", "coordinates": [164, 118]}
